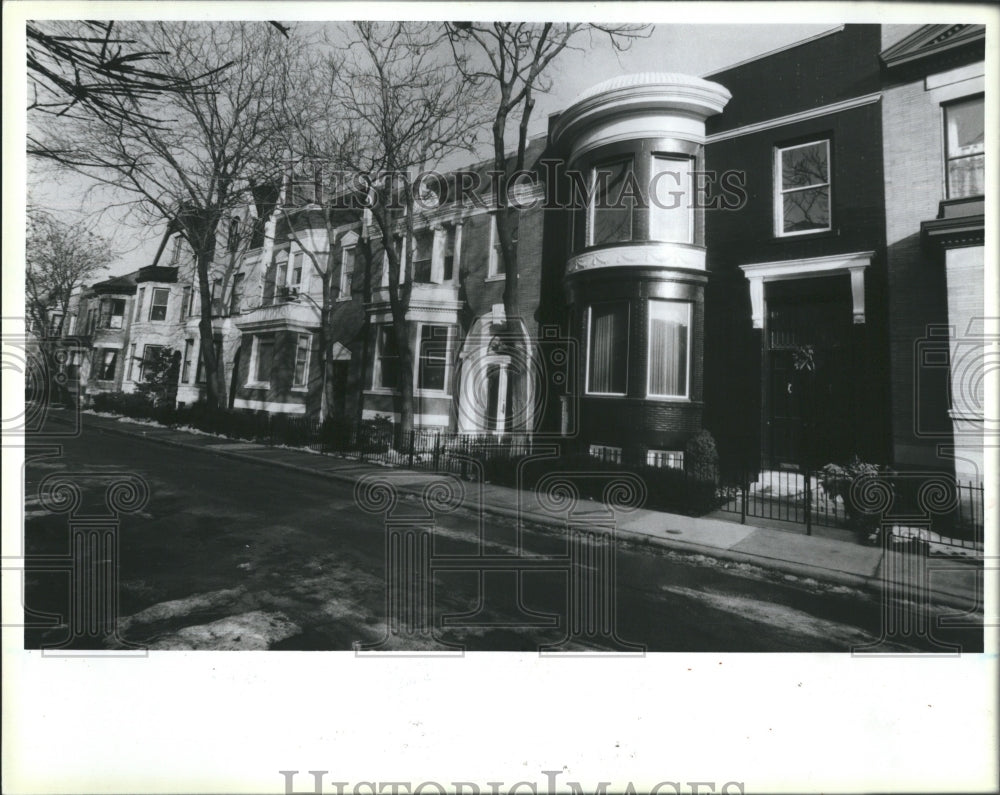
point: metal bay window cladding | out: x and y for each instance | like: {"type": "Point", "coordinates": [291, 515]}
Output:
{"type": "Point", "coordinates": [637, 196]}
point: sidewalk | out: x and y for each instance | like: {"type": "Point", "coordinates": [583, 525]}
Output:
{"type": "Point", "coordinates": [949, 582]}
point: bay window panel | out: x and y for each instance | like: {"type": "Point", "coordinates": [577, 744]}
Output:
{"type": "Point", "coordinates": [387, 351]}
{"type": "Point", "coordinates": [608, 348]}
{"type": "Point", "coordinates": [433, 357]}
{"type": "Point", "coordinates": [423, 247]}
{"type": "Point", "coordinates": [668, 348]}
{"type": "Point", "coordinates": [671, 208]}
{"type": "Point", "coordinates": [265, 358]}
{"type": "Point", "coordinates": [610, 212]}
{"type": "Point", "coordinates": [301, 374]}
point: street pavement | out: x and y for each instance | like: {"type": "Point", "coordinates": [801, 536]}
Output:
{"type": "Point", "coordinates": [238, 550]}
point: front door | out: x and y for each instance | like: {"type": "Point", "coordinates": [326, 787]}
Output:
{"type": "Point", "coordinates": [808, 372]}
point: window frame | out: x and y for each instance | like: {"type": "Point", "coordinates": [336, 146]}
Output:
{"type": "Point", "coordinates": [628, 158]}
{"type": "Point", "coordinates": [948, 159]}
{"type": "Point", "coordinates": [253, 376]}
{"type": "Point", "coordinates": [347, 276]}
{"type": "Point", "coordinates": [650, 395]}
{"type": "Point", "coordinates": [381, 331]}
{"type": "Point", "coordinates": [302, 386]}
{"type": "Point", "coordinates": [103, 364]}
{"type": "Point", "coordinates": [153, 304]}
{"type": "Point", "coordinates": [779, 192]}
{"type": "Point", "coordinates": [186, 361]}
{"type": "Point", "coordinates": [142, 362]}
{"type": "Point", "coordinates": [445, 390]}
{"type": "Point", "coordinates": [628, 329]}
{"type": "Point", "coordinates": [495, 260]}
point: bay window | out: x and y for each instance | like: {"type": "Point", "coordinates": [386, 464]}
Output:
{"type": "Point", "coordinates": [158, 307]}
{"type": "Point", "coordinates": [261, 360]}
{"type": "Point", "coordinates": [964, 152]}
{"type": "Point", "coordinates": [802, 188]}
{"type": "Point", "coordinates": [667, 366]}
{"type": "Point", "coordinates": [607, 348]}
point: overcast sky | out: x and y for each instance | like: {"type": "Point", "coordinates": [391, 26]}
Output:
{"type": "Point", "coordinates": [690, 48]}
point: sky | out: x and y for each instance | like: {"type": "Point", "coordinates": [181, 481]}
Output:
{"type": "Point", "coordinates": [690, 48]}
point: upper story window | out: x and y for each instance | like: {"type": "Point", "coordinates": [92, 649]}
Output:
{"type": "Point", "coordinates": [423, 253]}
{"type": "Point", "coordinates": [671, 205]}
{"type": "Point", "coordinates": [607, 348]}
{"type": "Point", "coordinates": [496, 268]}
{"type": "Point", "coordinates": [448, 254]}
{"type": "Point", "coordinates": [667, 374]}
{"type": "Point", "coordinates": [802, 189]}
{"type": "Point", "coordinates": [964, 153]}
{"type": "Point", "coordinates": [295, 270]}
{"type": "Point", "coordinates": [186, 303]}
{"type": "Point", "coordinates": [234, 234]}
{"type": "Point", "coordinates": [158, 307]}
{"type": "Point", "coordinates": [113, 313]}
{"type": "Point", "coordinates": [236, 294]}
{"type": "Point", "coordinates": [175, 252]}
{"type": "Point", "coordinates": [347, 260]}
{"type": "Point", "coordinates": [610, 209]}
{"type": "Point", "coordinates": [138, 306]}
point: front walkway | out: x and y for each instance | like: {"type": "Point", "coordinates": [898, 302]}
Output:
{"type": "Point", "coordinates": [826, 556]}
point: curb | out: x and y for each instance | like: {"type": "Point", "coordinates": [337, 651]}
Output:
{"type": "Point", "coordinates": [873, 584]}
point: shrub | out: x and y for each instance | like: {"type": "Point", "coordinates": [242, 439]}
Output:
{"type": "Point", "coordinates": [701, 474]}
{"type": "Point", "coordinates": [837, 481]}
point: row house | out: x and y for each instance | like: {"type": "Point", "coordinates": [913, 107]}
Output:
{"type": "Point", "coordinates": [772, 251]}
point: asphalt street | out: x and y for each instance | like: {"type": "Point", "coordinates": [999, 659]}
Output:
{"type": "Point", "coordinates": [228, 554]}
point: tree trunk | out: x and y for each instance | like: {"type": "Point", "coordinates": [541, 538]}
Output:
{"type": "Point", "coordinates": [204, 256]}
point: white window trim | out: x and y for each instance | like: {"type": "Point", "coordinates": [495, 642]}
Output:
{"type": "Point", "coordinates": [650, 395]}
{"type": "Point", "coordinates": [448, 367]}
{"type": "Point", "coordinates": [345, 295]}
{"type": "Point", "coordinates": [303, 387]}
{"type": "Point", "coordinates": [492, 275]}
{"type": "Point", "coordinates": [152, 305]}
{"type": "Point", "coordinates": [628, 328]}
{"type": "Point", "coordinates": [251, 382]}
{"type": "Point", "coordinates": [653, 208]}
{"type": "Point", "coordinates": [778, 193]}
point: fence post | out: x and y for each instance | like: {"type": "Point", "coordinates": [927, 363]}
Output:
{"type": "Point", "coordinates": [744, 488]}
{"type": "Point", "coordinates": [437, 450]}
{"type": "Point", "coordinates": [413, 433]}
{"type": "Point", "coordinates": [808, 503]}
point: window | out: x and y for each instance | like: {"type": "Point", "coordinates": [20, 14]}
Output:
{"type": "Point", "coordinates": [303, 345]}
{"type": "Point", "coordinates": [150, 361]}
{"type": "Point", "coordinates": [175, 253]}
{"type": "Point", "coordinates": [295, 272]}
{"type": "Point", "coordinates": [186, 366]}
{"type": "Point", "coordinates": [448, 264]}
{"type": "Point", "coordinates": [802, 189]}
{"type": "Point", "coordinates": [200, 372]}
{"type": "Point", "coordinates": [216, 297]}
{"type": "Point", "coordinates": [433, 369]}
{"type": "Point", "coordinates": [607, 353]}
{"type": "Point", "coordinates": [236, 295]}
{"type": "Point", "coordinates": [496, 263]}
{"type": "Point", "coordinates": [280, 272]}
{"type": "Point", "coordinates": [186, 304]}
{"type": "Point", "coordinates": [668, 348]}
{"type": "Point", "coordinates": [107, 363]}
{"type": "Point", "coordinates": [131, 362]}
{"type": "Point", "coordinates": [423, 249]}
{"type": "Point", "coordinates": [386, 374]}
{"type": "Point", "coordinates": [158, 308]}
{"type": "Point", "coordinates": [263, 359]}
{"type": "Point", "coordinates": [671, 213]}
{"type": "Point", "coordinates": [73, 366]}
{"type": "Point", "coordinates": [234, 234]}
{"type": "Point", "coordinates": [610, 212]}
{"type": "Point", "coordinates": [72, 326]}
{"type": "Point", "coordinates": [665, 459]}
{"type": "Point", "coordinates": [966, 163]}
{"type": "Point", "coordinates": [116, 313]}
{"type": "Point", "coordinates": [138, 304]}
{"type": "Point", "coordinates": [347, 272]}
{"type": "Point", "coordinates": [55, 324]}
{"type": "Point", "coordinates": [606, 453]}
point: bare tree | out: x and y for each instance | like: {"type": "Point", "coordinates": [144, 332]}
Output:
{"type": "Point", "coordinates": [399, 106]}
{"type": "Point", "coordinates": [512, 59]}
{"type": "Point", "coordinates": [60, 259]}
{"type": "Point", "coordinates": [220, 141]}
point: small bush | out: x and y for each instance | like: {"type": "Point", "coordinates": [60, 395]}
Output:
{"type": "Point", "coordinates": [837, 481]}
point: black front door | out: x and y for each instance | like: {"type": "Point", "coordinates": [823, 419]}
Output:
{"type": "Point", "coordinates": [808, 372]}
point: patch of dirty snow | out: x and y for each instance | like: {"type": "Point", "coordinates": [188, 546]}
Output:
{"type": "Point", "coordinates": [253, 631]}
{"type": "Point", "coordinates": [182, 607]}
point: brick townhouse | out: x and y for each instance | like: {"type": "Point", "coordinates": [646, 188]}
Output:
{"type": "Point", "coordinates": [762, 252]}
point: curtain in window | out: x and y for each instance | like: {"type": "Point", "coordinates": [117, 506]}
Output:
{"type": "Point", "coordinates": [608, 347]}
{"type": "Point", "coordinates": [668, 339]}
